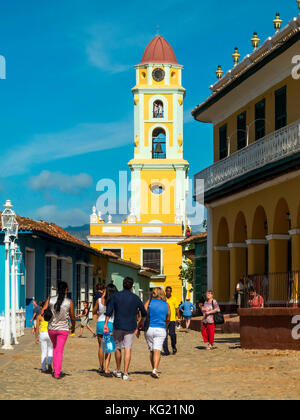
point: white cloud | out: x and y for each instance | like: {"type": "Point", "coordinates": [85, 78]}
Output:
{"type": "Point", "coordinates": [71, 217]}
{"type": "Point", "coordinates": [109, 50]}
{"type": "Point", "coordinates": [82, 139]}
{"type": "Point", "coordinates": [69, 184]}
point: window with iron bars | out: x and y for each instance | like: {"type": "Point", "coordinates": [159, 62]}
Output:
{"type": "Point", "coordinates": [152, 259]}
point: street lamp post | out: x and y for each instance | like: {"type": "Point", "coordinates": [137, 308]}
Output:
{"type": "Point", "coordinates": [10, 227]}
{"type": "Point", "coordinates": [13, 294]}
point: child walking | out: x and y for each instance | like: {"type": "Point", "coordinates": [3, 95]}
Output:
{"type": "Point", "coordinates": [42, 337]}
{"type": "Point", "coordinates": [84, 317]}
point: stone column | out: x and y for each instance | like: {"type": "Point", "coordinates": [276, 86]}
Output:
{"type": "Point", "coordinates": [278, 267]}
{"type": "Point", "coordinates": [256, 256]}
{"type": "Point", "coordinates": [295, 234]}
{"type": "Point", "coordinates": [238, 264]}
{"type": "Point", "coordinates": [222, 274]}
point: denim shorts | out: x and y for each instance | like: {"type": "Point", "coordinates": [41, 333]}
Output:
{"type": "Point", "coordinates": [100, 326]}
{"type": "Point", "coordinates": [188, 318]}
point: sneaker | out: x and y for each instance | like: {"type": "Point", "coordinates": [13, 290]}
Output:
{"type": "Point", "coordinates": [126, 377]}
{"type": "Point", "coordinates": [165, 354]}
{"type": "Point", "coordinates": [155, 374]}
{"type": "Point", "coordinates": [174, 351]}
{"type": "Point", "coordinates": [117, 374]}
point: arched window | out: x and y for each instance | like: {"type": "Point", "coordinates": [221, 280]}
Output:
{"type": "Point", "coordinates": [158, 109]}
{"type": "Point", "coordinates": [159, 144]}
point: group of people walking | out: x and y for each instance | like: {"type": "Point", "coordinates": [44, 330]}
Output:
{"type": "Point", "coordinates": [123, 316]}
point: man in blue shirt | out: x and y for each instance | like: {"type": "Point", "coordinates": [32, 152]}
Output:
{"type": "Point", "coordinates": [124, 306]}
{"type": "Point", "coordinates": [188, 308]}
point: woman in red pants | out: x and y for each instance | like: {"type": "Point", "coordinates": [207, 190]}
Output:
{"type": "Point", "coordinates": [209, 308]}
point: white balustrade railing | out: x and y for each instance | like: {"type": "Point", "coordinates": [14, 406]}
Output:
{"type": "Point", "coordinates": [274, 147]}
{"type": "Point", "coordinates": [20, 324]}
{"type": "Point", "coordinates": [1, 329]}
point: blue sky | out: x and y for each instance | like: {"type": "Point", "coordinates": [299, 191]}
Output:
{"type": "Point", "coordinates": [66, 105]}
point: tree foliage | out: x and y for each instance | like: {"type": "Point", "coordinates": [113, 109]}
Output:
{"type": "Point", "coordinates": [187, 271]}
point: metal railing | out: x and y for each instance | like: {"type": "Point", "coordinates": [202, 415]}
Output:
{"type": "Point", "coordinates": [277, 289]}
{"type": "Point", "coordinates": [273, 147]}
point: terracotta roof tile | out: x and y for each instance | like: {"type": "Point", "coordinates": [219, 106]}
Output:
{"type": "Point", "coordinates": [51, 229]}
{"type": "Point", "coordinates": [193, 238]}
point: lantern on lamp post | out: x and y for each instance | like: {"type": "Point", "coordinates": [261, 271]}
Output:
{"type": "Point", "coordinates": [10, 227]}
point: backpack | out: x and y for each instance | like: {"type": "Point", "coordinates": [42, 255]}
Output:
{"type": "Point", "coordinates": [48, 313]}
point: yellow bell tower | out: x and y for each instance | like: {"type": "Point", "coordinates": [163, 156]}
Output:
{"type": "Point", "coordinates": [159, 182]}
{"type": "Point", "coordinates": [159, 172]}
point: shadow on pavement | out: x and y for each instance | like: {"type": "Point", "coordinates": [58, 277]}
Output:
{"type": "Point", "coordinates": [141, 373]}
{"type": "Point", "coordinates": [93, 370]}
{"type": "Point", "coordinates": [228, 340]}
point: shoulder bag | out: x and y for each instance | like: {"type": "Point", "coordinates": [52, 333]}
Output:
{"type": "Point", "coordinates": [218, 317]}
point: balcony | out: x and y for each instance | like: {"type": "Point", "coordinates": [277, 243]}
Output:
{"type": "Point", "coordinates": [270, 149]}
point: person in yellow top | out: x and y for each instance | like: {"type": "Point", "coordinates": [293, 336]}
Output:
{"type": "Point", "coordinates": [171, 330]}
{"type": "Point", "coordinates": [42, 337]}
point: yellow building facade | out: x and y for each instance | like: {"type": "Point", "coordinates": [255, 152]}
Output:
{"type": "Point", "coordinates": [252, 191]}
{"type": "Point", "coordinates": [159, 181]}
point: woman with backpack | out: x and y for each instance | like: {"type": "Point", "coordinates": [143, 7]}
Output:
{"type": "Point", "coordinates": [100, 309]}
{"type": "Point", "coordinates": [62, 310]}
{"type": "Point", "coordinates": [209, 308]}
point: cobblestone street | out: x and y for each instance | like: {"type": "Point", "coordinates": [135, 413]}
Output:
{"type": "Point", "coordinates": [225, 373]}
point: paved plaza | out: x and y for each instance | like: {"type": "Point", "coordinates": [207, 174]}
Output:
{"type": "Point", "coordinates": [225, 373]}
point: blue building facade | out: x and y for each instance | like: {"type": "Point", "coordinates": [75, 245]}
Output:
{"type": "Point", "coordinates": [50, 255]}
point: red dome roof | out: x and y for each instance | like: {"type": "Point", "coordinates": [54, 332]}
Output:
{"type": "Point", "coordinates": [159, 51]}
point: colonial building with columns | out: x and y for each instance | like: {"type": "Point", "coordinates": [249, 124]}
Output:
{"type": "Point", "coordinates": [159, 181]}
{"type": "Point", "coordinates": [252, 191]}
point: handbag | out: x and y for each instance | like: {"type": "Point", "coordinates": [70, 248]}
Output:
{"type": "Point", "coordinates": [218, 317]}
{"type": "Point", "coordinates": [48, 313]}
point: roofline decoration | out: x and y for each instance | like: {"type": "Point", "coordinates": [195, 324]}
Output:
{"type": "Point", "coordinates": [271, 48]}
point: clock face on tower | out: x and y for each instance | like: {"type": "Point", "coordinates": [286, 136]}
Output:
{"type": "Point", "coordinates": [158, 75]}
